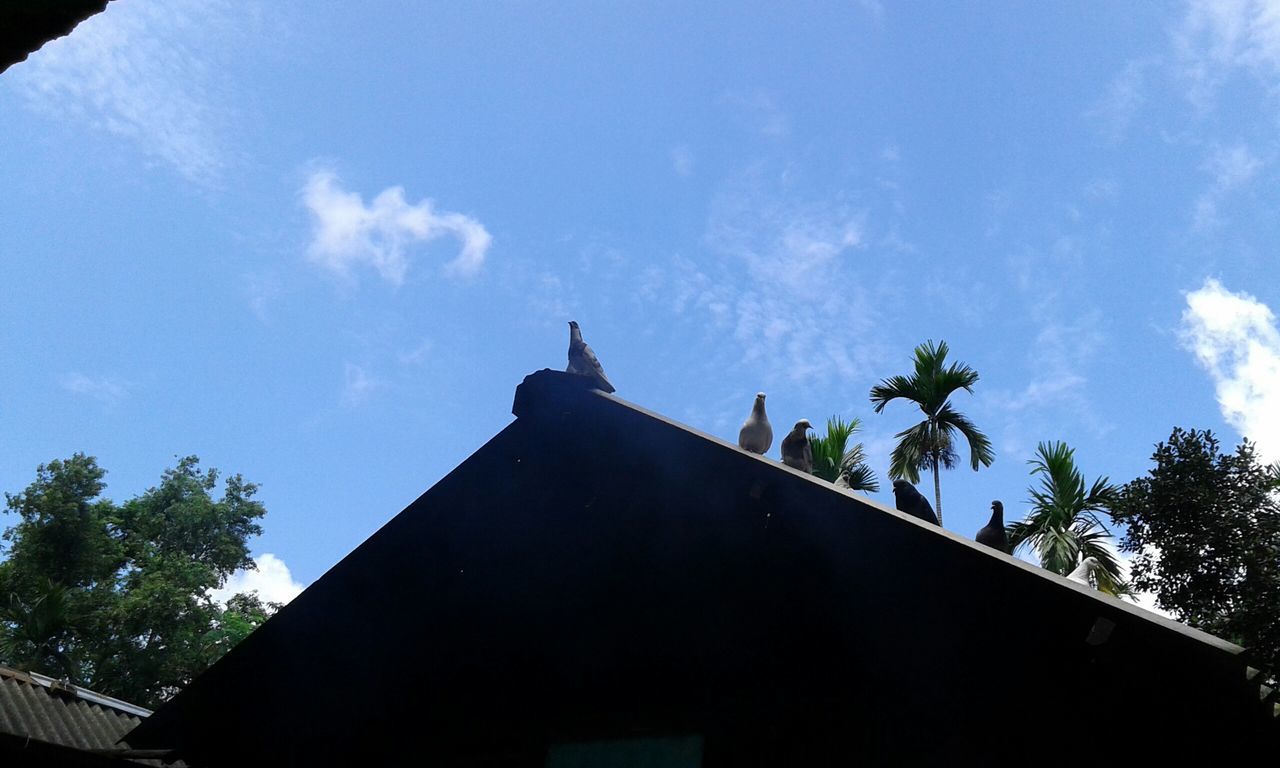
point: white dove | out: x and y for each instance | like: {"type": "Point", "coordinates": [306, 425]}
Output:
{"type": "Point", "coordinates": [1083, 570]}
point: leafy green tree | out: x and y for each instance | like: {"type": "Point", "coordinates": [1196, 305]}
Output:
{"type": "Point", "coordinates": [244, 613]}
{"type": "Point", "coordinates": [65, 532]}
{"type": "Point", "coordinates": [931, 443]}
{"type": "Point", "coordinates": [1204, 527]}
{"type": "Point", "coordinates": [834, 457]}
{"type": "Point", "coordinates": [132, 582]}
{"type": "Point", "coordinates": [1063, 527]}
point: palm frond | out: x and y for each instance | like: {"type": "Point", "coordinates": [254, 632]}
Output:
{"type": "Point", "coordinates": [913, 445]}
{"type": "Point", "coordinates": [894, 388]}
{"type": "Point", "coordinates": [929, 445]}
{"type": "Point", "coordinates": [834, 456]}
{"type": "Point", "coordinates": [1063, 526]}
{"type": "Point", "coordinates": [980, 451]}
{"type": "Point", "coordinates": [861, 478]}
{"type": "Point", "coordinates": [1095, 542]}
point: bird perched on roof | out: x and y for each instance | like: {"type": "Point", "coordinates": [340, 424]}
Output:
{"type": "Point", "coordinates": [842, 482]}
{"type": "Point", "coordinates": [992, 534]}
{"type": "Point", "coordinates": [907, 499]}
{"type": "Point", "coordinates": [1083, 571]}
{"type": "Point", "coordinates": [582, 360]}
{"type": "Point", "coordinates": [756, 434]}
{"type": "Point", "coordinates": [796, 451]}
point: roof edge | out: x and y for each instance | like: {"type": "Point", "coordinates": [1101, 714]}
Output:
{"type": "Point", "coordinates": [63, 688]}
{"type": "Point", "coordinates": [556, 394]}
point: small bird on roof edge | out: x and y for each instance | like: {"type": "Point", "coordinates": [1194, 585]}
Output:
{"type": "Point", "coordinates": [907, 499]}
{"type": "Point", "coordinates": [756, 434]}
{"type": "Point", "coordinates": [796, 451]}
{"type": "Point", "coordinates": [1083, 571]}
{"type": "Point", "coordinates": [992, 534]}
{"type": "Point", "coordinates": [582, 360]}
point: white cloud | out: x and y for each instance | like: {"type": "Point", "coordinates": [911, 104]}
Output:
{"type": "Point", "coordinates": [358, 385]}
{"type": "Point", "coordinates": [271, 580]}
{"type": "Point", "coordinates": [348, 234]}
{"type": "Point", "coordinates": [146, 72]}
{"type": "Point", "coordinates": [107, 390]}
{"type": "Point", "coordinates": [1235, 338]}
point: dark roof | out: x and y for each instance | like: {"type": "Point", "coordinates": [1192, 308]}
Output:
{"type": "Point", "coordinates": [598, 571]}
{"type": "Point", "coordinates": [25, 25]}
{"type": "Point", "coordinates": [35, 708]}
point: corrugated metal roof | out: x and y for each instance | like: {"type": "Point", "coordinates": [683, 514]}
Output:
{"type": "Point", "coordinates": [37, 707]}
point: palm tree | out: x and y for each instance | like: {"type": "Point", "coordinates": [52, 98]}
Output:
{"type": "Point", "coordinates": [1063, 526]}
{"type": "Point", "coordinates": [930, 444]}
{"type": "Point", "coordinates": [35, 635]}
{"type": "Point", "coordinates": [834, 458]}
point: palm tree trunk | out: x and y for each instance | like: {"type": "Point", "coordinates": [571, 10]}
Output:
{"type": "Point", "coordinates": [937, 488]}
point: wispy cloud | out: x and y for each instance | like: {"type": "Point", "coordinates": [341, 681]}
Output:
{"type": "Point", "coordinates": [682, 161]}
{"type": "Point", "coordinates": [765, 282]}
{"type": "Point", "coordinates": [108, 390]}
{"type": "Point", "coordinates": [358, 385]}
{"type": "Point", "coordinates": [1114, 112]}
{"type": "Point", "coordinates": [1060, 356]}
{"type": "Point", "coordinates": [1217, 37]}
{"type": "Point", "coordinates": [873, 8]}
{"type": "Point", "coordinates": [347, 234]}
{"type": "Point", "coordinates": [1234, 337]}
{"type": "Point", "coordinates": [271, 580]}
{"type": "Point", "coordinates": [763, 111]}
{"type": "Point", "coordinates": [145, 72]}
{"type": "Point", "coordinates": [415, 356]}
{"type": "Point", "coordinates": [1229, 169]}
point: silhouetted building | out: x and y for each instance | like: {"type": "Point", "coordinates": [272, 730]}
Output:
{"type": "Point", "coordinates": [598, 585]}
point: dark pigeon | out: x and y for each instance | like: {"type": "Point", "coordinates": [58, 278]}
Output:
{"type": "Point", "coordinates": [992, 534]}
{"type": "Point", "coordinates": [796, 451]}
{"type": "Point", "coordinates": [907, 499]}
{"type": "Point", "coordinates": [582, 360]}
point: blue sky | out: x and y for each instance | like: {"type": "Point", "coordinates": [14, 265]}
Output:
{"type": "Point", "coordinates": [321, 248]}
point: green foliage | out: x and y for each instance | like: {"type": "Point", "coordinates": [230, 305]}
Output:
{"type": "Point", "coordinates": [1063, 527]}
{"type": "Point", "coordinates": [931, 443]}
{"type": "Point", "coordinates": [116, 597]}
{"type": "Point", "coordinates": [244, 613]}
{"type": "Point", "coordinates": [65, 533]}
{"type": "Point", "coordinates": [39, 635]}
{"type": "Point", "coordinates": [1204, 527]}
{"type": "Point", "coordinates": [833, 457]}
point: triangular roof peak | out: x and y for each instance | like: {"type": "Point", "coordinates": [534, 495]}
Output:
{"type": "Point", "coordinates": [599, 571]}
